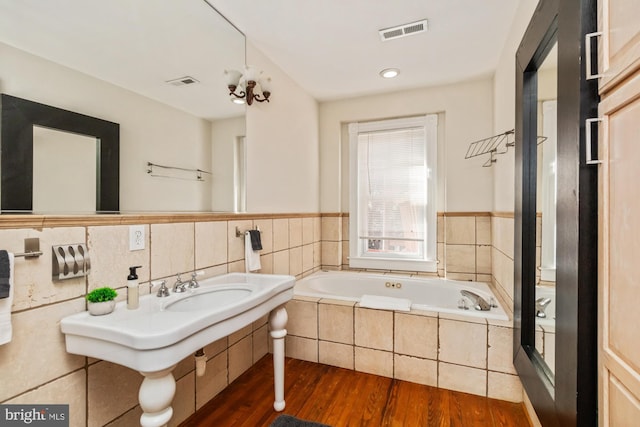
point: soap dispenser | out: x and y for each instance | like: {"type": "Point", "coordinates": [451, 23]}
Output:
{"type": "Point", "coordinates": [132, 288]}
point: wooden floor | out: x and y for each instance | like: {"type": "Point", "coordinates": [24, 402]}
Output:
{"type": "Point", "coordinates": [340, 397]}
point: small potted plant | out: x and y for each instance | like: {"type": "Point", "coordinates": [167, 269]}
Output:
{"type": "Point", "coordinates": [101, 301]}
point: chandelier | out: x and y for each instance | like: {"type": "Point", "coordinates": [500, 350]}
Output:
{"type": "Point", "coordinates": [248, 86]}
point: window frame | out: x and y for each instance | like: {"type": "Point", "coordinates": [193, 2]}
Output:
{"type": "Point", "coordinates": [357, 257]}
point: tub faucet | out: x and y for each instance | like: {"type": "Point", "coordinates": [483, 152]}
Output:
{"type": "Point", "coordinates": [541, 305]}
{"type": "Point", "coordinates": [479, 303]}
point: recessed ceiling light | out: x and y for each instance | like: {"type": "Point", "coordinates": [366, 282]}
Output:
{"type": "Point", "coordinates": [389, 73]}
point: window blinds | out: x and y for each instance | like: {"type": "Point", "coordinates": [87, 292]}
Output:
{"type": "Point", "coordinates": [392, 177]}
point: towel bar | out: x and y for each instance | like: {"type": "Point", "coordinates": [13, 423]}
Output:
{"type": "Point", "coordinates": [34, 254]}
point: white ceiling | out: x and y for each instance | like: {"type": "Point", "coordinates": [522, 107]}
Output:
{"type": "Point", "coordinates": [331, 48]}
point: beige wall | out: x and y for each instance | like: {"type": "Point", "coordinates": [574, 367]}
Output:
{"type": "Point", "coordinates": [224, 134]}
{"type": "Point", "coordinates": [504, 88]}
{"type": "Point", "coordinates": [282, 145]}
{"type": "Point", "coordinates": [504, 93]}
{"type": "Point", "coordinates": [465, 115]}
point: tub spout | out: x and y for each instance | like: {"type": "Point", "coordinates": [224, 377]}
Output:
{"type": "Point", "coordinates": [541, 305]}
{"type": "Point", "coordinates": [479, 303]}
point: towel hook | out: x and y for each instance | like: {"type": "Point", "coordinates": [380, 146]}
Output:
{"type": "Point", "coordinates": [31, 248]}
{"type": "Point", "coordinates": [241, 233]}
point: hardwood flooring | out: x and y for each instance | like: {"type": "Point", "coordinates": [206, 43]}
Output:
{"type": "Point", "coordinates": [340, 397]}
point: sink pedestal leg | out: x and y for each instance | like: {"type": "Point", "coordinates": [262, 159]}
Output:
{"type": "Point", "coordinates": [155, 397]}
{"type": "Point", "coordinates": [278, 321]}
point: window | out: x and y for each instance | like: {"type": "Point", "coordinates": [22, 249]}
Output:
{"type": "Point", "coordinates": [392, 198]}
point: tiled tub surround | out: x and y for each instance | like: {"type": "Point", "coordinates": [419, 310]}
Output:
{"type": "Point", "coordinates": [464, 248]}
{"type": "Point", "coordinates": [35, 365]}
{"type": "Point", "coordinates": [472, 355]}
{"type": "Point", "coordinates": [448, 351]}
{"type": "Point", "coordinates": [502, 245]}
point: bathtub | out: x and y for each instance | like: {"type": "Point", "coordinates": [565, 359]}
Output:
{"type": "Point", "coordinates": [429, 294]}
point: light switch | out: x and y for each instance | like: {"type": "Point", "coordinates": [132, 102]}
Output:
{"type": "Point", "coordinates": [136, 237]}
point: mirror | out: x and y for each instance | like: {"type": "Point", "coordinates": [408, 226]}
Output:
{"type": "Point", "coordinates": [26, 126]}
{"type": "Point", "coordinates": [65, 170]}
{"type": "Point", "coordinates": [132, 69]}
{"type": "Point", "coordinates": [560, 382]}
{"type": "Point", "coordinates": [546, 191]}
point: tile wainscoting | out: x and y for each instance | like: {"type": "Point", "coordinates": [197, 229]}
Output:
{"type": "Point", "coordinates": [36, 367]}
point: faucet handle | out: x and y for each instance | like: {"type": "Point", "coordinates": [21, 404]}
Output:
{"type": "Point", "coordinates": [193, 283]}
{"type": "Point", "coordinates": [163, 291]}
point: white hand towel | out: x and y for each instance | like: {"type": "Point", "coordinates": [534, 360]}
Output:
{"type": "Point", "coordinates": [5, 309]}
{"type": "Point", "coordinates": [385, 303]}
{"type": "Point", "coordinates": [251, 257]}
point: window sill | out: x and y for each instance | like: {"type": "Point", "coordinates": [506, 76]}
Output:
{"type": "Point", "coordinates": [394, 264]}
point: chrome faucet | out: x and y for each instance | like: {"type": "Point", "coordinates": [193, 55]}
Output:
{"type": "Point", "coordinates": [479, 303]}
{"type": "Point", "coordinates": [541, 305]}
{"type": "Point", "coordinates": [179, 286]}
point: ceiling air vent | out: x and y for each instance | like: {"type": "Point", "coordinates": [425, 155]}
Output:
{"type": "Point", "coordinates": [182, 81]}
{"type": "Point", "coordinates": [403, 30]}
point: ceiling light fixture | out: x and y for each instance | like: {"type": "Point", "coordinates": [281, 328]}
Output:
{"type": "Point", "coordinates": [247, 87]}
{"type": "Point", "coordinates": [389, 73]}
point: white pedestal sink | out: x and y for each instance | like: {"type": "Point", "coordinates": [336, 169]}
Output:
{"type": "Point", "coordinates": [162, 331]}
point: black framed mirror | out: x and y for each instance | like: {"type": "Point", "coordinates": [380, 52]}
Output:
{"type": "Point", "coordinates": [560, 380]}
{"type": "Point", "coordinates": [19, 118]}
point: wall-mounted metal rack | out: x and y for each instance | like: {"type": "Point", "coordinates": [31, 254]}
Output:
{"type": "Point", "coordinates": [494, 146]}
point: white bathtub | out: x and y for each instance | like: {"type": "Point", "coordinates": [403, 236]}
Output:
{"type": "Point", "coordinates": [430, 294]}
